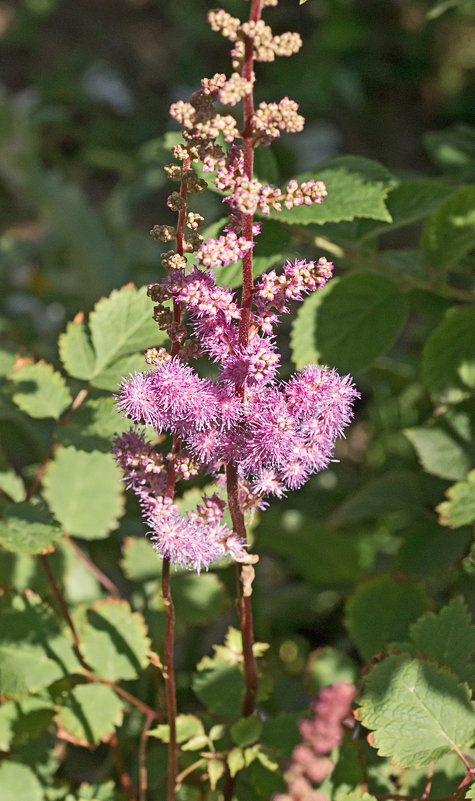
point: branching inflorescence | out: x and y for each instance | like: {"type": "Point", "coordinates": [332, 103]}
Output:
{"type": "Point", "coordinates": [274, 434]}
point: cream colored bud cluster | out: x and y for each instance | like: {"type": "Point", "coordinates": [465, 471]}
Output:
{"type": "Point", "coordinates": [233, 91]}
{"type": "Point", "coordinates": [266, 45]}
{"type": "Point", "coordinates": [194, 220]}
{"type": "Point", "coordinates": [306, 193]}
{"type": "Point", "coordinates": [272, 118]}
{"type": "Point", "coordinates": [193, 242]}
{"type": "Point", "coordinates": [171, 260]}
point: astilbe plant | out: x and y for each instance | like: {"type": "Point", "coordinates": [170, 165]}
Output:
{"type": "Point", "coordinates": [255, 435]}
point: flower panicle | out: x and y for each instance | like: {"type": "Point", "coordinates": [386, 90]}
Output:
{"type": "Point", "coordinates": [276, 434]}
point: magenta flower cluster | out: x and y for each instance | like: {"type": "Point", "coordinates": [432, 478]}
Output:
{"type": "Point", "coordinates": [311, 762]}
{"type": "Point", "coordinates": [274, 433]}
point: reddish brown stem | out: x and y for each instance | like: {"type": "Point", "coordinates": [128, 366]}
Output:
{"type": "Point", "coordinates": [169, 660]}
{"type": "Point", "coordinates": [142, 766]}
{"type": "Point", "coordinates": [63, 606]}
{"type": "Point", "coordinates": [123, 775]}
{"type": "Point", "coordinates": [100, 576]}
{"type": "Point", "coordinates": [169, 665]}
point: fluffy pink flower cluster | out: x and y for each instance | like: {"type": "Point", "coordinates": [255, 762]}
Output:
{"type": "Point", "coordinates": [311, 762]}
{"type": "Point", "coordinates": [276, 434]}
{"type": "Point", "coordinates": [190, 541]}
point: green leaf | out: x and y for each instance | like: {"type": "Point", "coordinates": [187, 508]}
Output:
{"type": "Point", "coordinates": [448, 636]}
{"type": "Point", "coordinates": [76, 351]}
{"type": "Point", "coordinates": [28, 529]}
{"type": "Point", "coordinates": [235, 760]}
{"type": "Point", "coordinates": [40, 391]}
{"type": "Point", "coordinates": [246, 731]}
{"type": "Point", "coordinates": [99, 791]}
{"type": "Point", "coordinates": [418, 712]}
{"type": "Point", "coordinates": [121, 324]}
{"type": "Point", "coordinates": [408, 203]}
{"type": "Point", "coordinates": [449, 233]}
{"type": "Point", "coordinates": [8, 717]}
{"type": "Point", "coordinates": [113, 639]}
{"type": "Point", "coordinates": [392, 492]}
{"type": "Point", "coordinates": [349, 322]}
{"type": "Point", "coordinates": [187, 726]}
{"type": "Point", "coordinates": [84, 492]}
{"type": "Point", "coordinates": [445, 446]}
{"type": "Point", "coordinates": [93, 426]}
{"type": "Point", "coordinates": [448, 357]}
{"type": "Point", "coordinates": [112, 375]}
{"type": "Point", "coordinates": [18, 781]}
{"type": "Point", "coordinates": [216, 769]}
{"type": "Point", "coordinates": [140, 561]}
{"type": "Point", "coordinates": [12, 484]}
{"type": "Point", "coordinates": [7, 362]}
{"type": "Point", "coordinates": [354, 795]}
{"type": "Point", "coordinates": [199, 599]}
{"type": "Point", "coordinates": [381, 611]}
{"type": "Point", "coordinates": [321, 556]}
{"type": "Point", "coordinates": [220, 687]}
{"type": "Point", "coordinates": [356, 186]}
{"type": "Point", "coordinates": [459, 509]}
{"type": "Point", "coordinates": [89, 713]}
{"type": "Point", "coordinates": [33, 651]}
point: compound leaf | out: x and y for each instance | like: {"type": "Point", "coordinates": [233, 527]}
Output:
{"type": "Point", "coordinates": [417, 711]}
{"type": "Point", "coordinates": [114, 639]}
{"type": "Point", "coordinates": [459, 509]}
{"type": "Point", "coordinates": [40, 391]}
{"type": "Point", "coordinates": [89, 713]}
{"type": "Point", "coordinates": [349, 322]}
{"type": "Point", "coordinates": [448, 357]}
{"type": "Point", "coordinates": [84, 492]}
{"type": "Point", "coordinates": [356, 186]}
{"type": "Point", "coordinates": [33, 651]}
{"type": "Point", "coordinates": [28, 529]}
{"type": "Point", "coordinates": [448, 636]}
{"type": "Point", "coordinates": [381, 610]}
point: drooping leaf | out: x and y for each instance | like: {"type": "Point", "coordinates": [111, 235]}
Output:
{"type": "Point", "coordinates": [84, 492]}
{"type": "Point", "coordinates": [40, 391]}
{"type": "Point", "coordinates": [448, 357]}
{"type": "Point", "coordinates": [449, 233]}
{"type": "Point", "coordinates": [113, 639]}
{"type": "Point", "coordinates": [459, 509]}
{"type": "Point", "coordinates": [417, 711]}
{"type": "Point", "coordinates": [33, 650]}
{"type": "Point", "coordinates": [381, 611]}
{"type": "Point", "coordinates": [19, 781]}
{"type": "Point", "coordinates": [356, 186]}
{"type": "Point", "coordinates": [28, 529]}
{"type": "Point", "coordinates": [448, 636]}
{"type": "Point", "coordinates": [349, 322]}
{"type": "Point", "coordinates": [89, 713]}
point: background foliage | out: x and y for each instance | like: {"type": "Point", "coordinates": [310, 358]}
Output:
{"type": "Point", "coordinates": [372, 553]}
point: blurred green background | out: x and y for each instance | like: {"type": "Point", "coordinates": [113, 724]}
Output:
{"type": "Point", "coordinates": [85, 90]}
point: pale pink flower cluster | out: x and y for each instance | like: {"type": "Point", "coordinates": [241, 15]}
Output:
{"type": "Point", "coordinates": [311, 760]}
{"type": "Point", "coordinates": [220, 252]}
{"type": "Point", "coordinates": [271, 118]}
